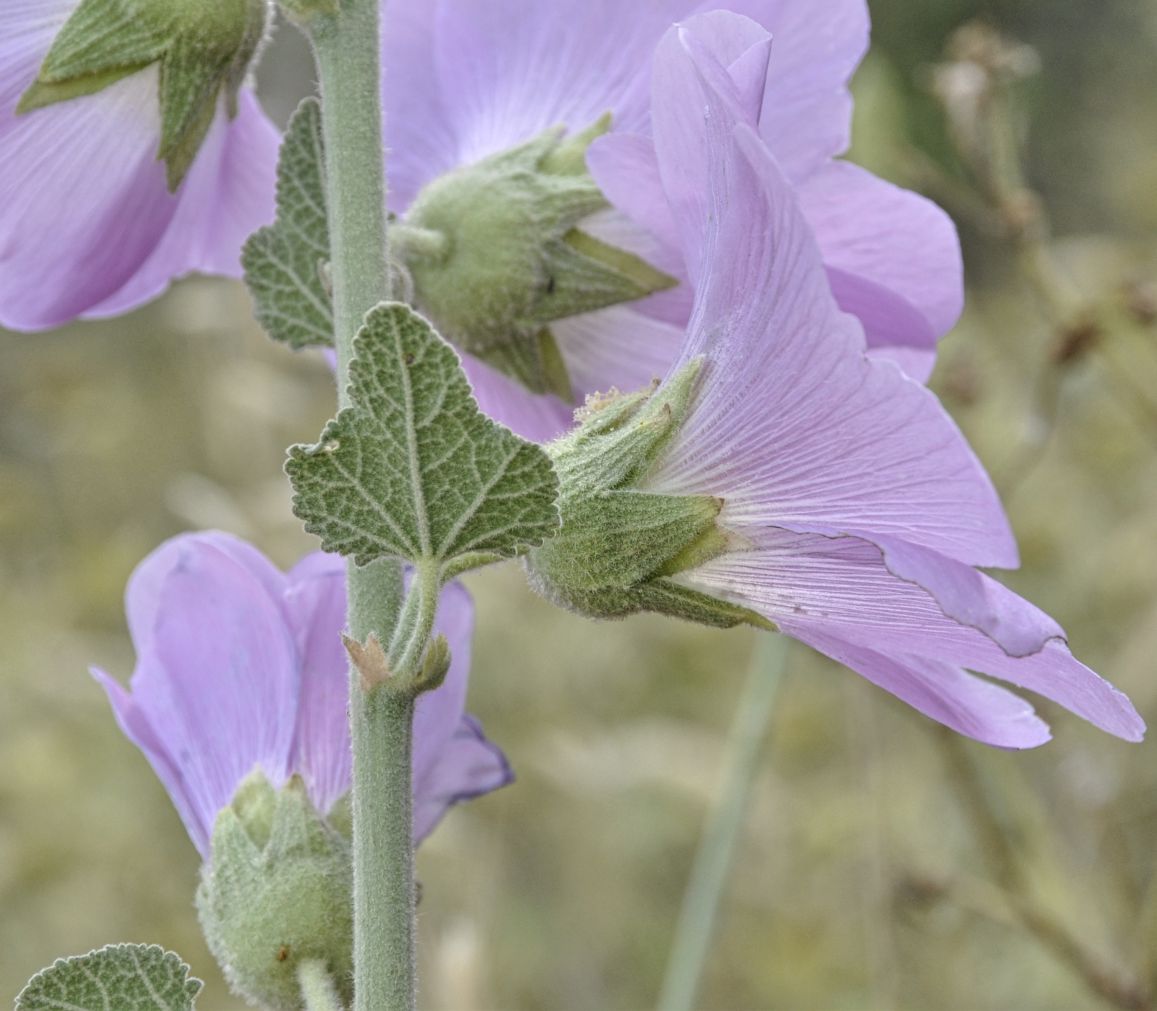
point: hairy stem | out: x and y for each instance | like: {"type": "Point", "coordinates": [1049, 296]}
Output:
{"type": "Point", "coordinates": [712, 866]}
{"type": "Point", "coordinates": [346, 46]}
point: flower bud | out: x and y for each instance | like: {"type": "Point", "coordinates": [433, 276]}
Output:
{"type": "Point", "coordinates": [619, 544]}
{"type": "Point", "coordinates": [495, 254]}
{"type": "Point", "coordinates": [277, 890]}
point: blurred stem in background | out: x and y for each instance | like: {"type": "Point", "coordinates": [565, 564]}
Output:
{"type": "Point", "coordinates": [711, 869]}
{"type": "Point", "coordinates": [979, 86]}
{"type": "Point", "coordinates": [1013, 901]}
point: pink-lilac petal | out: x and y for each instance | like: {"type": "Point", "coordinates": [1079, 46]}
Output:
{"type": "Point", "coordinates": [848, 442]}
{"type": "Point", "coordinates": [467, 766]}
{"type": "Point", "coordinates": [620, 342]}
{"type": "Point", "coordinates": [896, 266]}
{"type": "Point", "coordinates": [807, 110]}
{"type": "Point", "coordinates": [88, 224]}
{"type": "Point", "coordinates": [869, 229]}
{"type": "Point", "coordinates": [84, 199]}
{"type": "Point", "coordinates": [217, 682]}
{"type": "Point", "coordinates": [844, 589]}
{"type": "Point", "coordinates": [227, 195]}
{"type": "Point", "coordinates": [510, 69]}
{"type": "Point", "coordinates": [420, 141]}
{"type": "Point", "coordinates": [538, 417]}
{"type": "Point", "coordinates": [242, 667]}
{"type": "Point", "coordinates": [315, 602]}
{"type": "Point", "coordinates": [951, 696]}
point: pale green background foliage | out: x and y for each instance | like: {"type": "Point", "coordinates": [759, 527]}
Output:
{"type": "Point", "coordinates": [861, 883]}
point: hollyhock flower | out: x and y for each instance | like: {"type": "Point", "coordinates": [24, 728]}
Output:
{"type": "Point", "coordinates": [89, 226]}
{"type": "Point", "coordinates": [464, 83]}
{"type": "Point", "coordinates": [241, 667]}
{"type": "Point", "coordinates": [781, 476]}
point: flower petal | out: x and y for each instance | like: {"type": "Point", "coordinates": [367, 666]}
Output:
{"type": "Point", "coordinates": [420, 140]}
{"type": "Point", "coordinates": [871, 230]}
{"type": "Point", "coordinates": [215, 689]}
{"type": "Point", "coordinates": [510, 69]}
{"type": "Point", "coordinates": [961, 701]}
{"type": "Point", "coordinates": [88, 224]}
{"type": "Point", "coordinates": [84, 198]}
{"type": "Point", "coordinates": [616, 347]}
{"type": "Point", "coordinates": [539, 418]}
{"type": "Point", "coordinates": [316, 602]}
{"type": "Point", "coordinates": [227, 195]}
{"type": "Point", "coordinates": [849, 590]}
{"type": "Point", "coordinates": [807, 109]}
{"type": "Point", "coordinates": [468, 766]}
{"type": "Point", "coordinates": [792, 424]}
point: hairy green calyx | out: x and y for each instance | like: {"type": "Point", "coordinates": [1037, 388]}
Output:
{"type": "Point", "coordinates": [277, 891]}
{"type": "Point", "coordinates": [496, 253]}
{"type": "Point", "coordinates": [203, 49]}
{"type": "Point", "coordinates": [619, 546]}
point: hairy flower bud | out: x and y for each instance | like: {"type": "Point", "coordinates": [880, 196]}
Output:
{"type": "Point", "coordinates": [203, 49]}
{"type": "Point", "coordinates": [276, 891]}
{"type": "Point", "coordinates": [495, 253]}
{"type": "Point", "coordinates": [619, 543]}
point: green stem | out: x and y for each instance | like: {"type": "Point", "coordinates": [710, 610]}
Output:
{"type": "Point", "coordinates": [317, 990]}
{"type": "Point", "coordinates": [346, 46]}
{"type": "Point", "coordinates": [348, 62]}
{"type": "Point", "coordinates": [712, 866]}
{"type": "Point", "coordinates": [425, 590]}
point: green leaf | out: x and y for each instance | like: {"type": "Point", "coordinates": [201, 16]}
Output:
{"type": "Point", "coordinates": [119, 977]}
{"type": "Point", "coordinates": [285, 262]}
{"type": "Point", "coordinates": [414, 470]}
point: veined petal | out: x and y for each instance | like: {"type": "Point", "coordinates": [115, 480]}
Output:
{"type": "Point", "coordinates": [89, 226]}
{"type": "Point", "coordinates": [792, 424]}
{"type": "Point", "coordinates": [316, 602]}
{"type": "Point", "coordinates": [468, 766]}
{"type": "Point", "coordinates": [848, 590]}
{"type": "Point", "coordinates": [85, 200]}
{"type": "Point", "coordinates": [216, 685]}
{"type": "Point", "coordinates": [807, 108]}
{"type": "Point", "coordinates": [902, 300]}
{"type": "Point", "coordinates": [538, 417]}
{"type": "Point", "coordinates": [512, 68]}
{"type": "Point", "coordinates": [961, 701]}
{"type": "Point", "coordinates": [227, 195]}
{"type": "Point", "coordinates": [617, 347]}
{"type": "Point", "coordinates": [869, 229]}
{"type": "Point", "coordinates": [420, 140]}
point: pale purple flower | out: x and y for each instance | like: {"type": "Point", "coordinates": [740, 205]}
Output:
{"type": "Point", "coordinates": [855, 508]}
{"type": "Point", "coordinates": [463, 81]}
{"type": "Point", "coordinates": [88, 226]}
{"type": "Point", "coordinates": [241, 667]}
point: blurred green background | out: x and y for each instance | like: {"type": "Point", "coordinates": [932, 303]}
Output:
{"type": "Point", "coordinates": [883, 866]}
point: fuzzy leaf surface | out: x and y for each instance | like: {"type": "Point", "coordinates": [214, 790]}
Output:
{"type": "Point", "coordinates": [284, 262]}
{"type": "Point", "coordinates": [414, 470]}
{"type": "Point", "coordinates": [118, 977]}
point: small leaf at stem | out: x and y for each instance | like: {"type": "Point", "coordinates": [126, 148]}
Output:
{"type": "Point", "coordinates": [118, 977]}
{"type": "Point", "coordinates": [286, 263]}
{"type": "Point", "coordinates": [369, 660]}
{"type": "Point", "coordinates": [414, 470]}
